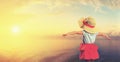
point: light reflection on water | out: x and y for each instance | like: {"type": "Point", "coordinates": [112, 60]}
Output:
{"type": "Point", "coordinates": [37, 48]}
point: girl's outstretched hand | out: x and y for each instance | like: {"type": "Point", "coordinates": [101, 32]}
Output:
{"type": "Point", "coordinates": [108, 37]}
{"type": "Point", "coordinates": [104, 35]}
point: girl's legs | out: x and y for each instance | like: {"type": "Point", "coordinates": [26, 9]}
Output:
{"type": "Point", "coordinates": [89, 60]}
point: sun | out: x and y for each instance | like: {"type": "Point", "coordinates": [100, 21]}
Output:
{"type": "Point", "coordinates": [15, 29]}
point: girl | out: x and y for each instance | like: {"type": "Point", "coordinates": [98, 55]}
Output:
{"type": "Point", "coordinates": [88, 50]}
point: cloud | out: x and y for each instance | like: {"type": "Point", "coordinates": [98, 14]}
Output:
{"type": "Point", "coordinates": [95, 3]}
{"type": "Point", "coordinates": [112, 4]}
{"type": "Point", "coordinates": [61, 4]}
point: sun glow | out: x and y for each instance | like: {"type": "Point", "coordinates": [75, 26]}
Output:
{"type": "Point", "coordinates": [15, 29]}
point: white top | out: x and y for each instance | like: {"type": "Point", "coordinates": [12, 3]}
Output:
{"type": "Point", "coordinates": [89, 37]}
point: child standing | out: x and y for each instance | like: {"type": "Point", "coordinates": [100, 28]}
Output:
{"type": "Point", "coordinates": [88, 50]}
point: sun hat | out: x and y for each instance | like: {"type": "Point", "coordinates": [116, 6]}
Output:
{"type": "Point", "coordinates": [88, 24]}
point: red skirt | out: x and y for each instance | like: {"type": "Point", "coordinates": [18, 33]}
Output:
{"type": "Point", "coordinates": [88, 52]}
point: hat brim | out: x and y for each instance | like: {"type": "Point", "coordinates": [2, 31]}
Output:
{"type": "Point", "coordinates": [90, 30]}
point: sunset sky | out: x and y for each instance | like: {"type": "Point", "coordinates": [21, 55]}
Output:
{"type": "Point", "coordinates": [55, 16]}
{"type": "Point", "coordinates": [24, 18]}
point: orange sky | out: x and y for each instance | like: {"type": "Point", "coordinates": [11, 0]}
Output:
{"type": "Point", "coordinates": [33, 18]}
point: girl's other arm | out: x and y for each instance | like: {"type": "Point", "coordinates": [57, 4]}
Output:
{"type": "Point", "coordinates": [104, 35]}
{"type": "Point", "coordinates": [73, 32]}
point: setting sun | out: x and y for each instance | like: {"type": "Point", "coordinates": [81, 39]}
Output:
{"type": "Point", "coordinates": [15, 29]}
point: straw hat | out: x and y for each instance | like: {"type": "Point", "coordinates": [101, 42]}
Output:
{"type": "Point", "coordinates": [88, 24]}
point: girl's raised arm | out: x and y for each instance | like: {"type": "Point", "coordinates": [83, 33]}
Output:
{"type": "Point", "coordinates": [73, 32]}
{"type": "Point", "coordinates": [104, 35]}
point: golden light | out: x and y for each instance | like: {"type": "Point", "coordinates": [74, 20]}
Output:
{"type": "Point", "coordinates": [15, 29]}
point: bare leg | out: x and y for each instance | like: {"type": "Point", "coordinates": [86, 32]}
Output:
{"type": "Point", "coordinates": [92, 60]}
{"type": "Point", "coordinates": [89, 60]}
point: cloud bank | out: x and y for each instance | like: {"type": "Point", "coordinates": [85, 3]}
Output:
{"type": "Point", "coordinates": [112, 4]}
{"type": "Point", "coordinates": [51, 4]}
{"type": "Point", "coordinates": [61, 4]}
